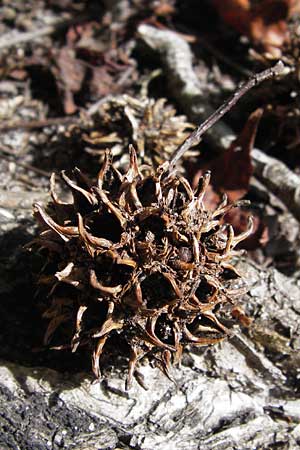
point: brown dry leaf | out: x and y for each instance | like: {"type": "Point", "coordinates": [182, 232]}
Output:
{"type": "Point", "coordinates": [232, 171]}
{"type": "Point", "coordinates": [265, 22]}
{"type": "Point", "coordinates": [72, 73]}
{"type": "Point", "coordinates": [102, 82]}
{"type": "Point", "coordinates": [235, 12]}
{"type": "Point", "coordinates": [94, 47]}
{"type": "Point", "coordinates": [231, 175]}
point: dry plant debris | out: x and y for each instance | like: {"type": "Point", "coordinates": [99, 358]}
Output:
{"type": "Point", "coordinates": [137, 261]}
{"type": "Point", "coordinates": [264, 22]}
{"type": "Point", "coordinates": [143, 261]}
{"type": "Point", "coordinates": [247, 379]}
{"type": "Point", "coordinates": [150, 125]}
{"type": "Point", "coordinates": [231, 174]}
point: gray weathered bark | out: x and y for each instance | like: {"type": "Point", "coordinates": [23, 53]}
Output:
{"type": "Point", "coordinates": [239, 394]}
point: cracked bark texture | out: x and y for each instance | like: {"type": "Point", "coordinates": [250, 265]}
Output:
{"type": "Point", "coordinates": [239, 394]}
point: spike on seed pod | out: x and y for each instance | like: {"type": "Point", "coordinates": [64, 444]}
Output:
{"type": "Point", "coordinates": [137, 261]}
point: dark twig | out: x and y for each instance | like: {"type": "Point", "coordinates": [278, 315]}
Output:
{"type": "Point", "coordinates": [20, 38]}
{"type": "Point", "coordinates": [32, 124]}
{"type": "Point", "coordinates": [195, 137]}
{"type": "Point", "coordinates": [4, 154]}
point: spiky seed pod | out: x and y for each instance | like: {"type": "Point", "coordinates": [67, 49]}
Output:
{"type": "Point", "coordinates": [152, 126]}
{"type": "Point", "coordinates": [136, 258]}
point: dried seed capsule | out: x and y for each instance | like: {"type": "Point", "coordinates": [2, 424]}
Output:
{"type": "Point", "coordinates": [152, 126]}
{"type": "Point", "coordinates": [136, 257]}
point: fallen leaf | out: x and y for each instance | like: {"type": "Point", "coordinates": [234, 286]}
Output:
{"type": "Point", "coordinates": [102, 82]}
{"type": "Point", "coordinates": [264, 22]}
{"type": "Point", "coordinates": [232, 171]}
{"type": "Point", "coordinates": [231, 175]}
{"type": "Point", "coordinates": [72, 73]}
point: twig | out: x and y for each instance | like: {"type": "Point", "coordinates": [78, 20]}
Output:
{"type": "Point", "coordinates": [177, 57]}
{"type": "Point", "coordinates": [30, 125]}
{"type": "Point", "coordinates": [195, 137]}
{"type": "Point", "coordinates": [20, 38]}
{"type": "Point", "coordinates": [7, 40]}
{"type": "Point", "coordinates": [4, 154]}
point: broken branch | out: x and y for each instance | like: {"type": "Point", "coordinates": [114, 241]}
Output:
{"type": "Point", "coordinates": [195, 137]}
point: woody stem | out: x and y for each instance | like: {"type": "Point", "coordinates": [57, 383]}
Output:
{"type": "Point", "coordinates": [195, 136]}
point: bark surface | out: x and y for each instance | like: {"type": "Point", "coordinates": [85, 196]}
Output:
{"type": "Point", "coordinates": [239, 394]}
